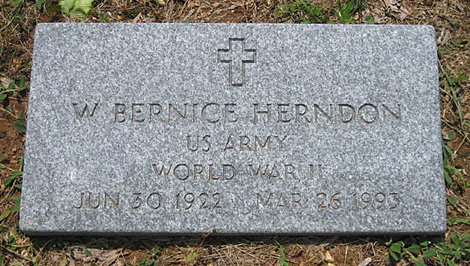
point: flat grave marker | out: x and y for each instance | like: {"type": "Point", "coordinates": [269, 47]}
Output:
{"type": "Point", "coordinates": [241, 128]}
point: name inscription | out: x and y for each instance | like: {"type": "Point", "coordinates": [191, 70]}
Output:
{"type": "Point", "coordinates": [213, 113]}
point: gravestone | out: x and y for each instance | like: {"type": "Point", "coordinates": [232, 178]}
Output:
{"type": "Point", "coordinates": [233, 128]}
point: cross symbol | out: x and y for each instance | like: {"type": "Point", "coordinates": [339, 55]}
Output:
{"type": "Point", "coordinates": [236, 56]}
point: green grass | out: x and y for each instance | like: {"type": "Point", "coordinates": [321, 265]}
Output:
{"type": "Point", "coordinates": [452, 88]}
{"type": "Point", "coordinates": [449, 170]}
{"type": "Point", "coordinates": [283, 259]}
{"type": "Point", "coordinates": [304, 12]}
{"type": "Point", "coordinates": [152, 260]}
{"type": "Point", "coordinates": [12, 91]}
{"type": "Point", "coordinates": [450, 47]}
{"type": "Point", "coordinates": [345, 12]}
{"type": "Point", "coordinates": [421, 252]}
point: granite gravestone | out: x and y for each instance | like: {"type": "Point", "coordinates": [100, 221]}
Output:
{"type": "Point", "coordinates": [241, 128]}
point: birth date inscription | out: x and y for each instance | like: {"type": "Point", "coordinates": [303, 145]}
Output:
{"type": "Point", "coordinates": [183, 200]}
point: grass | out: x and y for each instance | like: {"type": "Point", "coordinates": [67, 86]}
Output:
{"type": "Point", "coordinates": [283, 259]}
{"type": "Point", "coordinates": [13, 91]}
{"type": "Point", "coordinates": [304, 12]}
{"type": "Point", "coordinates": [152, 259]}
{"type": "Point", "coordinates": [17, 21]}
{"type": "Point", "coordinates": [421, 252]}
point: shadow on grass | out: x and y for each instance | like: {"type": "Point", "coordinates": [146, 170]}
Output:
{"type": "Point", "coordinates": [202, 240]}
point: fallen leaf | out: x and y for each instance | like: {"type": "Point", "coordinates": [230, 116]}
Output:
{"type": "Point", "coordinates": [376, 13]}
{"type": "Point", "coordinates": [107, 257]}
{"type": "Point", "coordinates": [328, 257]}
{"type": "Point", "coordinates": [5, 82]}
{"type": "Point", "coordinates": [397, 10]}
{"type": "Point", "coordinates": [76, 8]}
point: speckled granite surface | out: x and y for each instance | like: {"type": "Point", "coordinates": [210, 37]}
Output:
{"type": "Point", "coordinates": [241, 128]}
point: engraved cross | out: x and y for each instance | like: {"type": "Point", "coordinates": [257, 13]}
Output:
{"type": "Point", "coordinates": [236, 56]}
